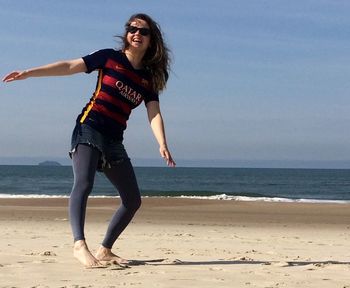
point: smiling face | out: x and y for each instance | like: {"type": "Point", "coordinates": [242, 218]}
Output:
{"type": "Point", "coordinates": [151, 48]}
{"type": "Point", "coordinates": [136, 38]}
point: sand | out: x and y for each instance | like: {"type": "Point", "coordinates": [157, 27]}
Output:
{"type": "Point", "coordinates": [180, 243]}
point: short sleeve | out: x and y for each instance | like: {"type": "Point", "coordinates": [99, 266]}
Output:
{"type": "Point", "coordinates": [96, 60]}
{"type": "Point", "coordinates": [152, 96]}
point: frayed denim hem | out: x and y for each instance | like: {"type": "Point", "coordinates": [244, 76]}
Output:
{"type": "Point", "coordinates": [112, 151]}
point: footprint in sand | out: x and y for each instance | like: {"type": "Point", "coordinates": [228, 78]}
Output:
{"type": "Point", "coordinates": [244, 258]}
{"type": "Point", "coordinates": [23, 262]}
{"type": "Point", "coordinates": [177, 262]}
{"type": "Point", "coordinates": [74, 286]}
{"type": "Point", "coordinates": [48, 261]}
{"type": "Point", "coordinates": [36, 237]}
{"type": "Point", "coordinates": [60, 219]}
{"type": "Point", "coordinates": [281, 264]}
{"type": "Point", "coordinates": [216, 269]}
{"type": "Point", "coordinates": [47, 253]}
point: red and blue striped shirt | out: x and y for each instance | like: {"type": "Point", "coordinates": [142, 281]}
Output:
{"type": "Point", "coordinates": [119, 89]}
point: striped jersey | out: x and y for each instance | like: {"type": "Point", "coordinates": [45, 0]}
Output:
{"type": "Point", "coordinates": [119, 89]}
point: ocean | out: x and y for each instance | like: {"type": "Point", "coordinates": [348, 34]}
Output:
{"type": "Point", "coordinates": [255, 184]}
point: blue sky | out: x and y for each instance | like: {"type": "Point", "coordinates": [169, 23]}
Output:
{"type": "Point", "coordinates": [252, 81]}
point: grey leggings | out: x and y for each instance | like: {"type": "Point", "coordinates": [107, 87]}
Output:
{"type": "Point", "coordinates": [122, 176]}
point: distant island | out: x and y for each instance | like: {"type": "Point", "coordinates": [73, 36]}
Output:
{"type": "Point", "coordinates": [49, 163]}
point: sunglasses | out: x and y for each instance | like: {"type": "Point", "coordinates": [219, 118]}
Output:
{"type": "Point", "coordinates": [142, 31]}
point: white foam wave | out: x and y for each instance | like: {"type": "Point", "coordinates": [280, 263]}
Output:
{"type": "Point", "coordinates": [214, 197]}
{"type": "Point", "coordinates": [264, 199]}
{"type": "Point", "coordinates": [31, 196]}
{"type": "Point", "coordinates": [38, 196]}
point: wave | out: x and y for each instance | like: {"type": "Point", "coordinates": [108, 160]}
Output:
{"type": "Point", "coordinates": [223, 197]}
{"type": "Point", "coordinates": [265, 199]}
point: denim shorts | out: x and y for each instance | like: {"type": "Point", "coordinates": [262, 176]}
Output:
{"type": "Point", "coordinates": [112, 150]}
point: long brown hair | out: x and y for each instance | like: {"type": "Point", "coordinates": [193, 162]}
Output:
{"type": "Point", "coordinates": [156, 59]}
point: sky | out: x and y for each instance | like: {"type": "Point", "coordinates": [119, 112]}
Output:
{"type": "Point", "coordinates": [253, 83]}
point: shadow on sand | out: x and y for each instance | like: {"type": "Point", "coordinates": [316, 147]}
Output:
{"type": "Point", "coordinates": [160, 262]}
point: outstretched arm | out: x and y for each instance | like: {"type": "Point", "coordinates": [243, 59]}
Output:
{"type": "Point", "coordinates": [60, 68]}
{"type": "Point", "coordinates": [157, 125]}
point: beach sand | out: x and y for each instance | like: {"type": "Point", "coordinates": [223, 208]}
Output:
{"type": "Point", "coordinates": [180, 243]}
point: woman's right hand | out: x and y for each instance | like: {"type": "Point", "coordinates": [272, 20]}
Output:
{"type": "Point", "coordinates": [60, 68]}
{"type": "Point", "coordinates": [16, 75]}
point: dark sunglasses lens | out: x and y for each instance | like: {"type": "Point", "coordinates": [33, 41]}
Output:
{"type": "Point", "coordinates": [132, 29]}
{"type": "Point", "coordinates": [143, 31]}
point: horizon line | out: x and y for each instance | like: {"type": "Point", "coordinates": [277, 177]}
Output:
{"type": "Point", "coordinates": [215, 163]}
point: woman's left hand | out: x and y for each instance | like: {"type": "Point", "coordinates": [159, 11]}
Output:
{"type": "Point", "coordinates": [164, 152]}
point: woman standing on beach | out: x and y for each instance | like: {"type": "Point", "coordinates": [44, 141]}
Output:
{"type": "Point", "coordinates": [126, 77]}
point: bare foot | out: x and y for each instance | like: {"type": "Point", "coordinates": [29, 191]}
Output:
{"type": "Point", "coordinates": [82, 253]}
{"type": "Point", "coordinates": [105, 254]}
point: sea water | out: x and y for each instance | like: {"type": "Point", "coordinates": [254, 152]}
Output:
{"type": "Point", "coordinates": [303, 185]}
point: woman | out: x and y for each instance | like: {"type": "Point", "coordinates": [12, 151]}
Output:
{"type": "Point", "coordinates": [136, 73]}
